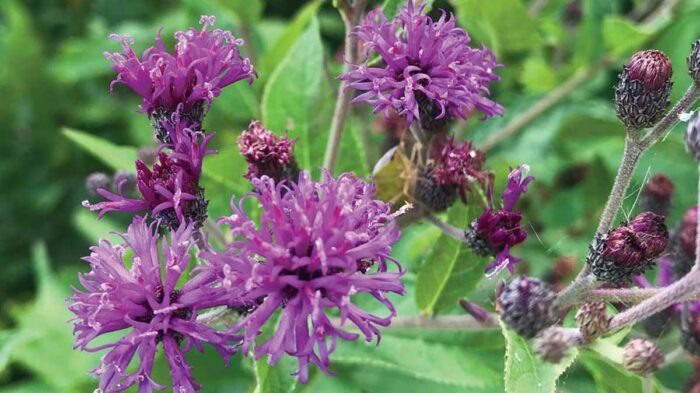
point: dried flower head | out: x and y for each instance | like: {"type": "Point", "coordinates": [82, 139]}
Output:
{"type": "Point", "coordinates": [593, 320]}
{"type": "Point", "coordinates": [142, 300]}
{"type": "Point", "coordinates": [267, 154]}
{"type": "Point", "coordinates": [642, 357]}
{"type": "Point", "coordinates": [317, 245]}
{"type": "Point", "coordinates": [428, 70]}
{"type": "Point", "coordinates": [641, 95]}
{"type": "Point", "coordinates": [202, 64]}
{"type": "Point", "coordinates": [170, 190]}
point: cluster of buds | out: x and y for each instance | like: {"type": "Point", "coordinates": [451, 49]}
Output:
{"type": "Point", "coordinates": [495, 231]}
{"type": "Point", "coordinates": [629, 249]}
{"type": "Point", "coordinates": [527, 306]}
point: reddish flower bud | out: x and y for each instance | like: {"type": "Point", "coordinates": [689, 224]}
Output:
{"type": "Point", "coordinates": [641, 95]}
{"type": "Point", "coordinates": [629, 249]}
{"type": "Point", "coordinates": [642, 357]}
{"type": "Point", "coordinates": [657, 195]}
{"type": "Point", "coordinates": [688, 231]}
{"type": "Point", "coordinates": [267, 154]}
{"type": "Point", "coordinates": [593, 320]}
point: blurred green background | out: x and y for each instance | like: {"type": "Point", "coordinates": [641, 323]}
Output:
{"type": "Point", "coordinates": [53, 77]}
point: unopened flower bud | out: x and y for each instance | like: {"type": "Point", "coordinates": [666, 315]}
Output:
{"type": "Point", "coordinates": [267, 154]}
{"type": "Point", "coordinates": [527, 306]}
{"type": "Point", "coordinates": [629, 249]}
{"type": "Point", "coordinates": [148, 155]}
{"type": "Point", "coordinates": [694, 62]}
{"type": "Point", "coordinates": [435, 196]}
{"type": "Point", "coordinates": [641, 95]}
{"type": "Point", "coordinates": [642, 357]}
{"type": "Point", "coordinates": [692, 137]}
{"type": "Point", "coordinates": [683, 242]}
{"type": "Point", "coordinates": [95, 181]}
{"type": "Point", "coordinates": [124, 182]}
{"type": "Point", "coordinates": [552, 344]}
{"type": "Point", "coordinates": [657, 195]}
{"type": "Point", "coordinates": [593, 320]}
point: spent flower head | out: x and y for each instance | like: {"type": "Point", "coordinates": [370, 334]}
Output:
{"type": "Point", "coordinates": [140, 299]}
{"type": "Point", "coordinates": [428, 70]}
{"type": "Point", "coordinates": [318, 244]}
{"type": "Point", "coordinates": [267, 154]}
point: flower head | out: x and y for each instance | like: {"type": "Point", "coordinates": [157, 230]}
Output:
{"type": "Point", "coordinates": [527, 306]}
{"type": "Point", "coordinates": [170, 190]}
{"type": "Point", "coordinates": [497, 230]}
{"type": "Point", "coordinates": [428, 69]}
{"type": "Point", "coordinates": [141, 299]}
{"type": "Point", "coordinates": [459, 166]}
{"type": "Point", "coordinates": [267, 154]}
{"type": "Point", "coordinates": [318, 244]}
{"type": "Point", "coordinates": [202, 64]}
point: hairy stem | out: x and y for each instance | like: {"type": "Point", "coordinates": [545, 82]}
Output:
{"type": "Point", "coordinates": [680, 289]}
{"type": "Point", "coordinates": [670, 119]}
{"type": "Point", "coordinates": [351, 17]}
{"type": "Point", "coordinates": [450, 230]}
{"type": "Point", "coordinates": [579, 288]}
{"type": "Point", "coordinates": [445, 322]}
{"type": "Point", "coordinates": [622, 295]}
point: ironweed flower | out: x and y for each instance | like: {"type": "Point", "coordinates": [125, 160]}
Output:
{"type": "Point", "coordinates": [497, 230]}
{"type": "Point", "coordinates": [202, 64]}
{"type": "Point", "coordinates": [142, 300]}
{"type": "Point", "coordinates": [170, 191]}
{"type": "Point", "coordinates": [428, 70]}
{"type": "Point", "coordinates": [317, 245]}
{"type": "Point", "coordinates": [267, 154]}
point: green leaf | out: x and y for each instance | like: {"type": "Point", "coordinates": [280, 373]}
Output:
{"type": "Point", "coordinates": [8, 341]}
{"type": "Point", "coordinates": [93, 229]}
{"type": "Point", "coordinates": [114, 156]}
{"type": "Point", "coordinates": [247, 10]}
{"type": "Point", "coordinates": [537, 75]}
{"type": "Point", "coordinates": [290, 96]}
{"type": "Point", "coordinates": [504, 25]}
{"type": "Point", "coordinates": [46, 338]}
{"type": "Point", "coordinates": [278, 50]}
{"type": "Point", "coordinates": [611, 377]}
{"type": "Point", "coordinates": [622, 36]}
{"type": "Point", "coordinates": [450, 270]}
{"type": "Point", "coordinates": [525, 372]}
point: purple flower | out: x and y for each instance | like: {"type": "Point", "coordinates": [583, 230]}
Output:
{"type": "Point", "coordinates": [317, 245]}
{"type": "Point", "coordinates": [170, 191]}
{"type": "Point", "coordinates": [141, 299]}
{"type": "Point", "coordinates": [497, 230]}
{"type": "Point", "coordinates": [640, 240]}
{"type": "Point", "coordinates": [459, 166]}
{"type": "Point", "coordinates": [202, 64]}
{"type": "Point", "coordinates": [267, 154]}
{"type": "Point", "coordinates": [427, 70]}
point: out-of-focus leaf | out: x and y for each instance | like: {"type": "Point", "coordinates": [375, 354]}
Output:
{"type": "Point", "coordinates": [450, 270]}
{"type": "Point", "coordinates": [93, 229]}
{"type": "Point", "coordinates": [278, 51]}
{"type": "Point", "coordinates": [46, 341]}
{"type": "Point", "coordinates": [391, 7]}
{"type": "Point", "coordinates": [675, 41]}
{"type": "Point", "coordinates": [116, 157]}
{"type": "Point", "coordinates": [525, 372]}
{"type": "Point", "coordinates": [537, 75]}
{"type": "Point", "coordinates": [611, 377]}
{"type": "Point", "coordinates": [8, 340]}
{"type": "Point", "coordinates": [289, 97]}
{"type": "Point", "coordinates": [621, 36]}
{"type": "Point", "coordinates": [439, 367]}
{"type": "Point", "coordinates": [504, 25]}
{"type": "Point", "coordinates": [28, 387]}
{"type": "Point", "coordinates": [247, 10]}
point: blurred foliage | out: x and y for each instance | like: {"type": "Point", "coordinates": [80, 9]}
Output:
{"type": "Point", "coordinates": [58, 116]}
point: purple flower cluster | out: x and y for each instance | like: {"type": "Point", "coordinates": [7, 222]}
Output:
{"type": "Point", "coordinates": [267, 154]}
{"type": "Point", "coordinates": [141, 299]}
{"type": "Point", "coordinates": [202, 64]}
{"type": "Point", "coordinates": [317, 245]}
{"type": "Point", "coordinates": [459, 166]}
{"type": "Point", "coordinates": [497, 230]}
{"type": "Point", "coordinates": [428, 69]}
{"type": "Point", "coordinates": [169, 191]}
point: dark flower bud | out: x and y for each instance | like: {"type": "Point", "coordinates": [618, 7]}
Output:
{"type": "Point", "coordinates": [629, 249]}
{"type": "Point", "coordinates": [694, 62]}
{"type": "Point", "coordinates": [267, 154]}
{"type": "Point", "coordinates": [641, 95]}
{"type": "Point", "coordinates": [690, 335]}
{"type": "Point", "coordinates": [433, 195]}
{"type": "Point", "coordinates": [494, 230]}
{"type": "Point", "coordinates": [593, 320]}
{"type": "Point", "coordinates": [527, 306]}
{"type": "Point", "coordinates": [95, 181]}
{"type": "Point", "coordinates": [683, 243]}
{"type": "Point", "coordinates": [657, 195]}
{"type": "Point", "coordinates": [148, 155]}
{"type": "Point", "coordinates": [642, 357]}
{"type": "Point", "coordinates": [552, 344]}
{"type": "Point", "coordinates": [692, 137]}
{"type": "Point", "coordinates": [124, 182]}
